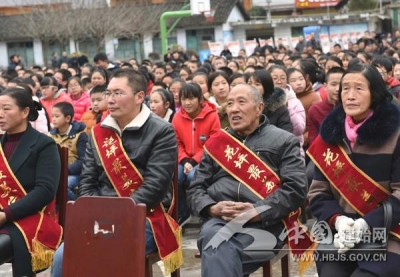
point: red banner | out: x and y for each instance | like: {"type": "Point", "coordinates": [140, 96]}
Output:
{"type": "Point", "coordinates": [316, 3]}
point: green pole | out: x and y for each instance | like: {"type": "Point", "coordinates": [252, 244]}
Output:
{"type": "Point", "coordinates": [176, 21]}
{"type": "Point", "coordinates": [163, 25]}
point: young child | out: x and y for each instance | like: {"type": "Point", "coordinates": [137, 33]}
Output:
{"type": "Point", "coordinates": [99, 108]}
{"type": "Point", "coordinates": [193, 124]}
{"type": "Point", "coordinates": [71, 134]}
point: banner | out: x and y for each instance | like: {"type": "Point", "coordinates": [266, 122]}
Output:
{"type": "Point", "coordinates": [250, 45]}
{"type": "Point", "coordinates": [295, 41]}
{"type": "Point", "coordinates": [335, 38]}
{"type": "Point", "coordinates": [285, 41]}
{"type": "Point", "coordinates": [262, 42]}
{"type": "Point", "coordinates": [215, 48]}
{"type": "Point", "coordinates": [353, 37]}
{"type": "Point", "coordinates": [270, 42]}
{"type": "Point", "coordinates": [345, 41]}
{"type": "Point", "coordinates": [316, 3]}
{"type": "Point", "coordinates": [325, 43]}
{"type": "Point", "coordinates": [234, 47]}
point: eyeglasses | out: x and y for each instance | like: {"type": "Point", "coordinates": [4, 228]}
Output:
{"type": "Point", "coordinates": [74, 86]}
{"type": "Point", "coordinates": [47, 87]}
{"type": "Point", "coordinates": [114, 94]}
{"type": "Point", "coordinates": [281, 78]}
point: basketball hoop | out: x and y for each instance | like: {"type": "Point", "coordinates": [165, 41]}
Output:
{"type": "Point", "coordinates": [209, 15]}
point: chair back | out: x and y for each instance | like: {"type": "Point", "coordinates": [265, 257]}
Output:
{"type": "Point", "coordinates": [104, 236]}
{"type": "Point", "coordinates": [62, 191]}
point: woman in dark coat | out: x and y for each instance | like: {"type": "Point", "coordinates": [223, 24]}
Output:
{"type": "Point", "coordinates": [274, 100]}
{"type": "Point", "coordinates": [29, 175]}
{"type": "Point", "coordinates": [357, 157]}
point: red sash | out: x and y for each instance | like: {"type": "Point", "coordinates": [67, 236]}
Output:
{"type": "Point", "coordinates": [41, 231]}
{"type": "Point", "coordinates": [126, 178]}
{"type": "Point", "coordinates": [359, 190]}
{"type": "Point", "coordinates": [247, 168]}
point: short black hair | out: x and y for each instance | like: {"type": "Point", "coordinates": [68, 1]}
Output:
{"type": "Point", "coordinates": [65, 108]}
{"type": "Point", "coordinates": [65, 74]}
{"type": "Point", "coordinates": [382, 61]}
{"type": "Point", "coordinates": [98, 89]}
{"type": "Point", "coordinates": [136, 80]}
{"type": "Point", "coordinates": [160, 84]}
{"type": "Point", "coordinates": [334, 70]}
{"type": "Point", "coordinates": [191, 90]}
{"type": "Point", "coordinates": [49, 81]}
{"type": "Point", "coordinates": [265, 80]}
{"type": "Point", "coordinates": [126, 64]}
{"type": "Point", "coordinates": [100, 57]}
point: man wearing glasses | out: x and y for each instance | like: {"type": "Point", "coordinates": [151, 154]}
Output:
{"type": "Point", "coordinates": [130, 154]}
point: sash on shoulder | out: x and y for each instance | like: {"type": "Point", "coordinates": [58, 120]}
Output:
{"type": "Point", "coordinates": [359, 190]}
{"type": "Point", "coordinates": [247, 168]}
{"type": "Point", "coordinates": [41, 231]}
{"type": "Point", "coordinates": [126, 178]}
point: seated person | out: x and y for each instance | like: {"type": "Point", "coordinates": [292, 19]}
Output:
{"type": "Point", "coordinates": [194, 123]}
{"type": "Point", "coordinates": [70, 134]}
{"type": "Point", "coordinates": [253, 167]}
{"type": "Point", "coordinates": [149, 149]}
{"type": "Point", "coordinates": [28, 191]}
{"type": "Point", "coordinates": [98, 111]}
{"type": "Point", "coordinates": [364, 129]}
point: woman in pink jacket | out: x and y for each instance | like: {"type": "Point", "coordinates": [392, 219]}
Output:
{"type": "Point", "coordinates": [80, 98]}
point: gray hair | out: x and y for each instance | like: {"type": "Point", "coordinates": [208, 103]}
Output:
{"type": "Point", "coordinates": [253, 92]}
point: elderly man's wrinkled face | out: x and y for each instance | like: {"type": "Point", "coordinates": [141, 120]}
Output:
{"type": "Point", "coordinates": [243, 109]}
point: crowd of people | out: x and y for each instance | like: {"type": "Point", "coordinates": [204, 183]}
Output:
{"type": "Point", "coordinates": [239, 129]}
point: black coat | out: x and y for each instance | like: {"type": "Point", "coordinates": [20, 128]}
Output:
{"type": "Point", "coordinates": [151, 144]}
{"type": "Point", "coordinates": [276, 110]}
{"type": "Point", "coordinates": [36, 164]}
{"type": "Point", "coordinates": [377, 153]}
{"type": "Point", "coordinates": [280, 150]}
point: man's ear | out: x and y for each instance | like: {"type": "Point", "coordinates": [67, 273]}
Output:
{"type": "Point", "coordinates": [260, 108]}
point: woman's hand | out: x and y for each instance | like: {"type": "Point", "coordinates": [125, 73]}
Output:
{"type": "Point", "coordinates": [3, 218]}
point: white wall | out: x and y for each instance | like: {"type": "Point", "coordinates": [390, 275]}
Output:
{"type": "Point", "coordinates": [218, 33]}
{"type": "Point", "coordinates": [3, 54]}
{"type": "Point", "coordinates": [235, 15]}
{"type": "Point", "coordinates": [38, 52]}
{"type": "Point", "coordinates": [147, 44]}
{"type": "Point", "coordinates": [72, 47]}
{"type": "Point", "coordinates": [109, 46]}
{"type": "Point", "coordinates": [282, 31]}
{"type": "Point", "coordinates": [181, 37]}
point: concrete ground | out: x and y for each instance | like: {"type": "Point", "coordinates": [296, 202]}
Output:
{"type": "Point", "coordinates": [191, 267]}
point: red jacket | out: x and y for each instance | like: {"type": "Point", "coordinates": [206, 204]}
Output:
{"type": "Point", "coordinates": [192, 134]}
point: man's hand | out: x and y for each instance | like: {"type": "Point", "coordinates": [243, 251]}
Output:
{"type": "Point", "coordinates": [3, 218]}
{"type": "Point", "coordinates": [229, 210]}
{"type": "Point", "coordinates": [345, 230]}
{"type": "Point", "coordinates": [187, 168]}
